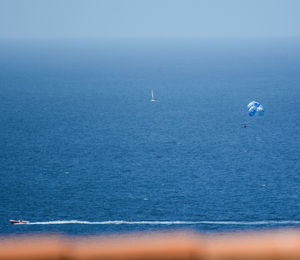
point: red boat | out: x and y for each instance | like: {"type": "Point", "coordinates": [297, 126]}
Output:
{"type": "Point", "coordinates": [20, 221]}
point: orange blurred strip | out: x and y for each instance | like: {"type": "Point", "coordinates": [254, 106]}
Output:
{"type": "Point", "coordinates": [275, 245]}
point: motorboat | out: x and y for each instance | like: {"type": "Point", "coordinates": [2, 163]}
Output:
{"type": "Point", "coordinates": [20, 221]}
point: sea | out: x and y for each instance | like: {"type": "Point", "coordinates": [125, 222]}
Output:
{"type": "Point", "coordinates": [83, 150]}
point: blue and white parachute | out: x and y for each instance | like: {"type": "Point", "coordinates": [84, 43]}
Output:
{"type": "Point", "coordinates": [255, 108]}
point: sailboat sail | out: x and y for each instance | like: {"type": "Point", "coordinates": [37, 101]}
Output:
{"type": "Point", "coordinates": [152, 99]}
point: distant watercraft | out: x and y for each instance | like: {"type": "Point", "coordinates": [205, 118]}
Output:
{"type": "Point", "coordinates": [20, 221]}
{"type": "Point", "coordinates": [152, 99]}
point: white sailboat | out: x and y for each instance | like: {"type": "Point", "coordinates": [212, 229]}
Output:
{"type": "Point", "coordinates": [152, 99]}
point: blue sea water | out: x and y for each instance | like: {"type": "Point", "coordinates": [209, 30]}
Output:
{"type": "Point", "coordinates": [84, 151]}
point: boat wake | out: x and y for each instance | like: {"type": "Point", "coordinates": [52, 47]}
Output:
{"type": "Point", "coordinates": [146, 222]}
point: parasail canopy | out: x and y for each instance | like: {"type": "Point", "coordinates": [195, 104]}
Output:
{"type": "Point", "coordinates": [255, 108]}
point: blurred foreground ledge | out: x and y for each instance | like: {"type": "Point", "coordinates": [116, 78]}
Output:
{"type": "Point", "coordinates": [258, 245]}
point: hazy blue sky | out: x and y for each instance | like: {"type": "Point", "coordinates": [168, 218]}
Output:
{"type": "Point", "coordinates": [155, 18]}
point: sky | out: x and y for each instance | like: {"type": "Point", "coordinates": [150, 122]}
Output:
{"type": "Point", "coordinates": [149, 18]}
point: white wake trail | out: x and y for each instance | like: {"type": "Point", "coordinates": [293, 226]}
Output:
{"type": "Point", "coordinates": [179, 222]}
